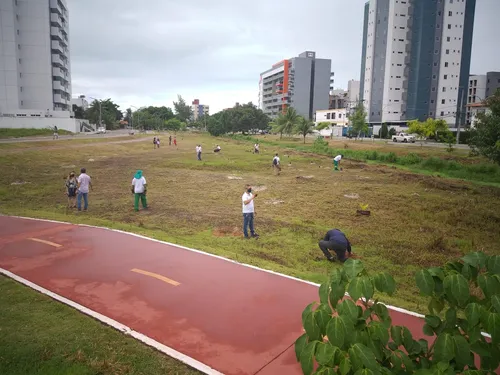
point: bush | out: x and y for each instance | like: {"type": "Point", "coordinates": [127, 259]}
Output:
{"type": "Point", "coordinates": [372, 155]}
{"type": "Point", "coordinates": [434, 164]}
{"type": "Point", "coordinates": [320, 145]}
{"type": "Point", "coordinates": [342, 337]}
{"type": "Point", "coordinates": [410, 159]}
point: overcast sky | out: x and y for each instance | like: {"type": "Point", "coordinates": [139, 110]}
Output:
{"type": "Point", "coordinates": [146, 52]}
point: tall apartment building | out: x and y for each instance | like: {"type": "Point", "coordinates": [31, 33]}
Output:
{"type": "Point", "coordinates": [416, 59]}
{"type": "Point", "coordinates": [301, 82]}
{"type": "Point", "coordinates": [199, 110]}
{"type": "Point", "coordinates": [35, 73]}
{"type": "Point", "coordinates": [353, 92]}
{"type": "Point", "coordinates": [480, 88]}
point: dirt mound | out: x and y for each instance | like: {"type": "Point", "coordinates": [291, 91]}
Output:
{"type": "Point", "coordinates": [304, 177]}
{"type": "Point", "coordinates": [352, 196]}
{"type": "Point", "coordinates": [274, 201]}
{"type": "Point", "coordinates": [259, 188]}
{"type": "Point", "coordinates": [234, 178]}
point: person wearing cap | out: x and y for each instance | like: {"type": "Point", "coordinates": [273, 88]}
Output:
{"type": "Point", "coordinates": [139, 189]}
{"type": "Point", "coordinates": [336, 161]}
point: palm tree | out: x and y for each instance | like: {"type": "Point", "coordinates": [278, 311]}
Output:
{"type": "Point", "coordinates": [286, 123]}
{"type": "Point", "coordinates": [304, 127]}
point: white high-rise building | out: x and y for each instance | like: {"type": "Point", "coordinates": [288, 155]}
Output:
{"type": "Point", "coordinates": [35, 73]}
{"type": "Point", "coordinates": [416, 59]}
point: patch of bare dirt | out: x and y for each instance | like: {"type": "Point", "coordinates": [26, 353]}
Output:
{"type": "Point", "coordinates": [274, 201]}
{"type": "Point", "coordinates": [352, 196]}
{"type": "Point", "coordinates": [271, 257]}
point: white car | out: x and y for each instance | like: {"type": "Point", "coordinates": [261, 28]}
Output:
{"type": "Point", "coordinates": [101, 130]}
{"type": "Point", "coordinates": [403, 137]}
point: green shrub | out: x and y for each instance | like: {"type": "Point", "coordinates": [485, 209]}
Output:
{"type": "Point", "coordinates": [320, 145]}
{"type": "Point", "coordinates": [342, 337]}
{"type": "Point", "coordinates": [434, 164]}
{"type": "Point", "coordinates": [410, 159]}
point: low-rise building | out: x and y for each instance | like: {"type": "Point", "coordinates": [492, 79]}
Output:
{"type": "Point", "coordinates": [474, 109]}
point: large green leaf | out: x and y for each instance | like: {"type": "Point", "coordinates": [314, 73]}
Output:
{"type": "Point", "coordinates": [306, 312]}
{"type": "Point", "coordinates": [325, 371]}
{"type": "Point", "coordinates": [428, 330]}
{"type": "Point", "coordinates": [384, 282]}
{"type": "Point", "coordinates": [473, 313]}
{"type": "Point", "coordinates": [337, 292]}
{"type": "Point", "coordinates": [444, 348]}
{"type": "Point", "coordinates": [325, 354]}
{"type": "Point", "coordinates": [494, 327]}
{"type": "Point", "coordinates": [435, 306]}
{"type": "Point", "coordinates": [425, 282]}
{"type": "Point", "coordinates": [396, 335]}
{"type": "Point", "coordinates": [489, 285]}
{"type": "Point", "coordinates": [383, 314]}
{"type": "Point", "coordinates": [493, 264]}
{"type": "Point", "coordinates": [462, 351]}
{"type": "Point", "coordinates": [348, 310]}
{"type": "Point", "coordinates": [457, 286]}
{"type": "Point", "coordinates": [396, 361]}
{"type": "Point", "coordinates": [365, 355]}
{"type": "Point", "coordinates": [433, 321]}
{"type": "Point", "coordinates": [355, 288]}
{"type": "Point", "coordinates": [324, 289]}
{"type": "Point", "coordinates": [437, 272]}
{"type": "Point", "coordinates": [378, 332]}
{"type": "Point", "coordinates": [336, 331]}
{"type": "Point", "coordinates": [451, 318]}
{"type": "Point", "coordinates": [495, 302]}
{"type": "Point", "coordinates": [366, 287]}
{"type": "Point", "coordinates": [322, 315]}
{"type": "Point", "coordinates": [353, 267]}
{"type": "Point", "coordinates": [407, 362]}
{"type": "Point", "coordinates": [300, 344]}
{"type": "Point", "coordinates": [407, 339]}
{"type": "Point", "coordinates": [364, 371]}
{"type": "Point", "coordinates": [476, 259]}
{"type": "Point", "coordinates": [311, 327]}
{"type": "Point", "coordinates": [307, 358]}
{"type": "Point", "coordinates": [377, 348]}
{"type": "Point", "coordinates": [345, 366]}
{"type": "Point", "coordinates": [336, 276]}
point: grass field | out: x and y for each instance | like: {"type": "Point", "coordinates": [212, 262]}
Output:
{"type": "Point", "coordinates": [18, 133]}
{"type": "Point", "coordinates": [40, 336]}
{"type": "Point", "coordinates": [418, 220]}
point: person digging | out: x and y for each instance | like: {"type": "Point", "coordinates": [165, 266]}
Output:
{"type": "Point", "coordinates": [337, 241]}
{"type": "Point", "coordinates": [336, 162]}
{"type": "Point", "coordinates": [139, 189]}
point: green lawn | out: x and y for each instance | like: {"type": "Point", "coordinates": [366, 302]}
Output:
{"type": "Point", "coordinates": [43, 337]}
{"type": "Point", "coordinates": [18, 133]}
{"type": "Point", "coordinates": [417, 220]}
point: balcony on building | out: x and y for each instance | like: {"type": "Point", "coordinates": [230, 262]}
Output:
{"type": "Point", "coordinates": [55, 20]}
{"type": "Point", "coordinates": [56, 46]}
{"type": "Point", "coordinates": [55, 33]}
{"type": "Point", "coordinates": [57, 61]}
{"type": "Point", "coordinates": [58, 98]}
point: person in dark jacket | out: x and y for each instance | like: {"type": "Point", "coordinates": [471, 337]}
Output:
{"type": "Point", "coordinates": [337, 241]}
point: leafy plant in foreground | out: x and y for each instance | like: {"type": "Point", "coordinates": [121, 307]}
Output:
{"type": "Point", "coordinates": [344, 337]}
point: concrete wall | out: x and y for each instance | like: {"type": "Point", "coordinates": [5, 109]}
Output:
{"type": "Point", "coordinates": [69, 124]}
{"type": "Point", "coordinates": [301, 97]}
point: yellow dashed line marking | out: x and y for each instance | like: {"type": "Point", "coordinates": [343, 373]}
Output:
{"type": "Point", "coordinates": [45, 242]}
{"type": "Point", "coordinates": [156, 276]}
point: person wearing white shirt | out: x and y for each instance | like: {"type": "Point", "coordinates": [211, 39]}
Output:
{"type": "Point", "coordinates": [139, 188]}
{"type": "Point", "coordinates": [276, 164]}
{"type": "Point", "coordinates": [336, 161]}
{"type": "Point", "coordinates": [248, 212]}
{"type": "Point", "coordinates": [198, 152]}
{"type": "Point", "coordinates": [84, 185]}
{"type": "Point", "coordinates": [256, 148]}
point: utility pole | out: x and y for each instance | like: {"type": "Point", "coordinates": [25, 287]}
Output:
{"type": "Point", "coordinates": [459, 114]}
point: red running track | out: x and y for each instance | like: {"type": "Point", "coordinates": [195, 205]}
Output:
{"type": "Point", "coordinates": [234, 318]}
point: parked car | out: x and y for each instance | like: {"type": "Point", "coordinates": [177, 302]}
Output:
{"type": "Point", "coordinates": [101, 130]}
{"type": "Point", "coordinates": [403, 137]}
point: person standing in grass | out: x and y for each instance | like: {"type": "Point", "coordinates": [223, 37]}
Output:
{"type": "Point", "coordinates": [175, 141]}
{"type": "Point", "coordinates": [56, 133]}
{"type": "Point", "coordinates": [170, 140]}
{"type": "Point", "coordinates": [337, 241]}
{"type": "Point", "coordinates": [71, 187]}
{"type": "Point", "coordinates": [158, 142]}
{"type": "Point", "coordinates": [276, 164]}
{"type": "Point", "coordinates": [256, 148]}
{"type": "Point", "coordinates": [154, 142]}
{"type": "Point", "coordinates": [336, 161]}
{"type": "Point", "coordinates": [84, 186]}
{"type": "Point", "coordinates": [248, 212]}
{"type": "Point", "coordinates": [139, 189]}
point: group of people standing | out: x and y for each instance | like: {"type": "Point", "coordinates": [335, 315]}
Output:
{"type": "Point", "coordinates": [77, 189]}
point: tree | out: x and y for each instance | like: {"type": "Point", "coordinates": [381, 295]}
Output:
{"type": "Point", "coordinates": [384, 131]}
{"type": "Point", "coordinates": [182, 111]}
{"type": "Point", "coordinates": [241, 118]}
{"type": "Point", "coordinates": [304, 127]}
{"type": "Point", "coordinates": [344, 338]}
{"type": "Point", "coordinates": [323, 125]}
{"type": "Point", "coordinates": [485, 137]}
{"type": "Point", "coordinates": [358, 121]}
{"type": "Point", "coordinates": [79, 112]}
{"type": "Point", "coordinates": [173, 124]}
{"type": "Point", "coordinates": [286, 123]}
{"type": "Point", "coordinates": [109, 111]}
{"type": "Point", "coordinates": [392, 132]}
{"type": "Point", "coordinates": [418, 128]}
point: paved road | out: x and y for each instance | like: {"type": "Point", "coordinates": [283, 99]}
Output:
{"type": "Point", "coordinates": [231, 317]}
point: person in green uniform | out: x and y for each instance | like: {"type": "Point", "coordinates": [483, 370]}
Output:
{"type": "Point", "coordinates": [139, 189]}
